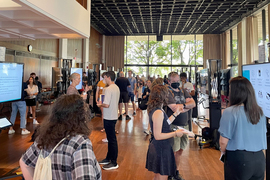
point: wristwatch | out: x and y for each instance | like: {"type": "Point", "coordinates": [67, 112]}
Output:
{"type": "Point", "coordinates": [184, 105]}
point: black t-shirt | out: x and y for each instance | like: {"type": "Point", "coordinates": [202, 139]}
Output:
{"type": "Point", "coordinates": [122, 83]}
{"type": "Point", "coordinates": [178, 98]}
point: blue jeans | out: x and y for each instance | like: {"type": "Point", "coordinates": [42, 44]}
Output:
{"type": "Point", "coordinates": [21, 106]}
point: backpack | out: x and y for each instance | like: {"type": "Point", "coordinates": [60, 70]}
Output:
{"type": "Point", "coordinates": [43, 169]}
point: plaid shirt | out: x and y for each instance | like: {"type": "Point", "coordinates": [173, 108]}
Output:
{"type": "Point", "coordinates": [72, 159]}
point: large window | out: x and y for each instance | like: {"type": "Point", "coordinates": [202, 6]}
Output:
{"type": "Point", "coordinates": [162, 57]}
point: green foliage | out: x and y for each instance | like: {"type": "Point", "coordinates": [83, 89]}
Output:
{"type": "Point", "coordinates": [176, 52]}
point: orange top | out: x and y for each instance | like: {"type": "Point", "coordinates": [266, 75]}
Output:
{"type": "Point", "coordinates": [101, 86]}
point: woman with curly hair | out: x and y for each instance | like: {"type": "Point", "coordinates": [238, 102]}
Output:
{"type": "Point", "coordinates": [74, 157]}
{"type": "Point", "coordinates": [160, 157]}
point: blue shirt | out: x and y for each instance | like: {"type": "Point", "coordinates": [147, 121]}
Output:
{"type": "Point", "coordinates": [132, 82]}
{"type": "Point", "coordinates": [242, 135]}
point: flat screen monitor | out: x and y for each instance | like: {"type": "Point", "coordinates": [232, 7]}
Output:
{"type": "Point", "coordinates": [259, 76]}
{"type": "Point", "coordinates": [79, 71]}
{"type": "Point", "coordinates": [11, 78]}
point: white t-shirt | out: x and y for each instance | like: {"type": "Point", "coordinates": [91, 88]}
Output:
{"type": "Point", "coordinates": [32, 90]}
{"type": "Point", "coordinates": [188, 87]}
{"type": "Point", "coordinates": [112, 94]}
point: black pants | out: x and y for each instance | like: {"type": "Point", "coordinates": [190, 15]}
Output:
{"type": "Point", "coordinates": [112, 153]}
{"type": "Point", "coordinates": [244, 165]}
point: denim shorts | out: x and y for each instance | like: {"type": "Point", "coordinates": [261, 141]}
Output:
{"type": "Point", "coordinates": [131, 95]}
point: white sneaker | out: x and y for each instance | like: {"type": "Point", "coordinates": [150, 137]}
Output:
{"type": "Point", "coordinates": [24, 132]}
{"type": "Point", "coordinates": [105, 140]}
{"type": "Point", "coordinates": [35, 121]}
{"type": "Point", "coordinates": [11, 131]}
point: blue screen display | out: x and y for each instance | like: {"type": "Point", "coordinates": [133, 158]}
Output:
{"type": "Point", "coordinates": [259, 76]}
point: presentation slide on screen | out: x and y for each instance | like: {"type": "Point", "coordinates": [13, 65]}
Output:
{"type": "Point", "coordinates": [259, 76]}
{"type": "Point", "coordinates": [79, 71]}
{"type": "Point", "coordinates": [11, 75]}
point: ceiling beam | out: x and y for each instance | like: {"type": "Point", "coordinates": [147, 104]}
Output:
{"type": "Point", "coordinates": [188, 22]}
{"type": "Point", "coordinates": [160, 18]}
{"type": "Point", "coordinates": [241, 6]}
{"type": "Point", "coordinates": [141, 15]}
{"type": "Point", "coordinates": [180, 17]}
{"type": "Point", "coordinates": [106, 19]}
{"type": "Point", "coordinates": [113, 17]}
{"type": "Point", "coordinates": [133, 21]}
{"type": "Point", "coordinates": [169, 22]}
{"type": "Point", "coordinates": [218, 17]}
{"type": "Point", "coordinates": [101, 23]}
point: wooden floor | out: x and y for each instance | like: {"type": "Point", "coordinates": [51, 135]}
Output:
{"type": "Point", "coordinates": [196, 163]}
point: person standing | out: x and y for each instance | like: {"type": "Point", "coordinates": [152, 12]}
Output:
{"type": "Point", "coordinates": [84, 79]}
{"type": "Point", "coordinates": [132, 90]}
{"type": "Point", "coordinates": [190, 89]}
{"type": "Point", "coordinates": [75, 78]}
{"type": "Point", "coordinates": [140, 92]}
{"type": "Point", "coordinates": [21, 106]}
{"type": "Point", "coordinates": [243, 133]}
{"type": "Point", "coordinates": [110, 115]}
{"type": "Point", "coordinates": [100, 88]}
{"type": "Point", "coordinates": [178, 97]}
{"type": "Point", "coordinates": [32, 91]}
{"type": "Point", "coordinates": [123, 83]}
{"type": "Point", "coordinates": [66, 127]}
{"type": "Point", "coordinates": [160, 157]}
{"type": "Point", "coordinates": [39, 84]}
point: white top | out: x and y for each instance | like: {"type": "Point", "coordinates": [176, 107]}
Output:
{"type": "Point", "coordinates": [32, 90]}
{"type": "Point", "coordinates": [112, 94]}
{"type": "Point", "coordinates": [188, 87]}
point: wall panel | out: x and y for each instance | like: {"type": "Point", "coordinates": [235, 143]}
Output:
{"type": "Point", "coordinates": [95, 47]}
{"type": "Point", "coordinates": [47, 47]}
{"type": "Point", "coordinates": [74, 49]}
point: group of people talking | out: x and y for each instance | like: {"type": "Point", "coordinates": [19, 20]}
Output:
{"type": "Point", "coordinates": [242, 131]}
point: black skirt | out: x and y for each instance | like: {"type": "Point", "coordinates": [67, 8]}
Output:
{"type": "Point", "coordinates": [30, 102]}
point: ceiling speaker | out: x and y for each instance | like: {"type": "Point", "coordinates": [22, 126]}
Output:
{"type": "Point", "coordinates": [160, 38]}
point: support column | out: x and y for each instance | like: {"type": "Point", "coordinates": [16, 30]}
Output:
{"type": "Point", "coordinates": [62, 51]}
{"type": "Point", "coordinates": [85, 55]}
{"type": "Point", "coordinates": [103, 61]}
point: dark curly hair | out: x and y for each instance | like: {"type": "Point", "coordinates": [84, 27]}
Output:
{"type": "Point", "coordinates": [69, 116]}
{"type": "Point", "coordinates": [158, 97]}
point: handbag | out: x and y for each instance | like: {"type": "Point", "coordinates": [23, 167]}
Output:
{"type": "Point", "coordinates": [143, 104]}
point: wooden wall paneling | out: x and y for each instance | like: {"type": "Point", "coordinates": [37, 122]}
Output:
{"type": "Point", "coordinates": [30, 65]}
{"type": "Point", "coordinates": [9, 58]}
{"type": "Point", "coordinates": [74, 44]}
{"type": "Point", "coordinates": [47, 47]}
{"type": "Point", "coordinates": [45, 75]}
{"type": "Point", "coordinates": [95, 47]}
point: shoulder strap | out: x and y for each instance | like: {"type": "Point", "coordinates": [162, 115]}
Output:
{"type": "Point", "coordinates": [57, 145]}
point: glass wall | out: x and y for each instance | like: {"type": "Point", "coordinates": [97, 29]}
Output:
{"type": "Point", "coordinates": [261, 43]}
{"type": "Point", "coordinates": [173, 51]}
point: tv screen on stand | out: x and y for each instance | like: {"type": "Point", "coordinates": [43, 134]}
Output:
{"type": "Point", "coordinates": [11, 78]}
{"type": "Point", "coordinates": [259, 76]}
